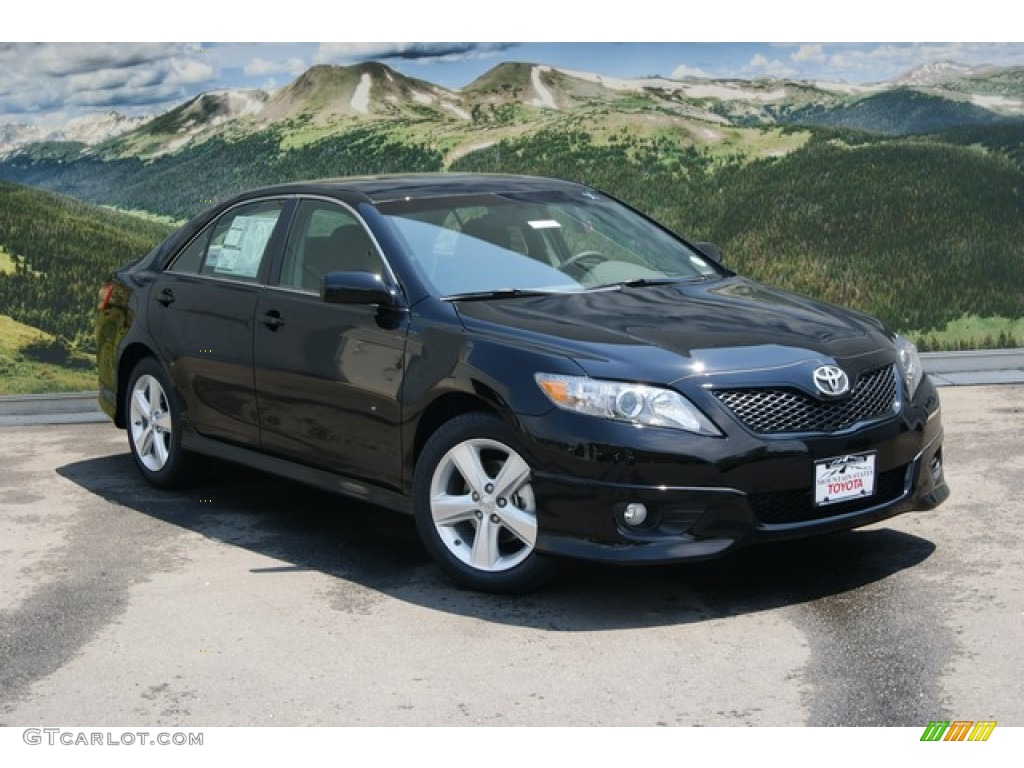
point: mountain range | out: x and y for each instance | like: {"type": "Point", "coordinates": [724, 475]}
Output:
{"type": "Point", "coordinates": [327, 99]}
{"type": "Point", "coordinates": [87, 129]}
{"type": "Point", "coordinates": [903, 199]}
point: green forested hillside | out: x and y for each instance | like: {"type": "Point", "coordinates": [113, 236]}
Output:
{"type": "Point", "coordinates": [919, 230]}
{"type": "Point", "coordinates": [1004, 140]}
{"type": "Point", "coordinates": [182, 184]}
{"type": "Point", "coordinates": [58, 253]}
{"type": "Point", "coordinates": [897, 112]}
{"type": "Point", "coordinates": [906, 202]}
{"type": "Point", "coordinates": [917, 233]}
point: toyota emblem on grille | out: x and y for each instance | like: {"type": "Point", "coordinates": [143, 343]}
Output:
{"type": "Point", "coordinates": [831, 380]}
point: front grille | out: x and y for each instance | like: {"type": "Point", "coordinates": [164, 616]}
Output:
{"type": "Point", "coordinates": [784, 410]}
{"type": "Point", "coordinates": [798, 506]}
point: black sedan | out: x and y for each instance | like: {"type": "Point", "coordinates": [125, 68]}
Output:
{"type": "Point", "coordinates": [530, 367]}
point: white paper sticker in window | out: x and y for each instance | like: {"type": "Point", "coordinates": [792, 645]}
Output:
{"type": "Point", "coordinates": [243, 246]}
{"type": "Point", "coordinates": [544, 224]}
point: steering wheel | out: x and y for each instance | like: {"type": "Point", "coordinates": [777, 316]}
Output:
{"type": "Point", "coordinates": [579, 261]}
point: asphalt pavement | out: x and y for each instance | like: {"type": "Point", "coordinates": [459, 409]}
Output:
{"type": "Point", "coordinates": [249, 601]}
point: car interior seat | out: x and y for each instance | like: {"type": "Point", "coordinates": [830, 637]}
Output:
{"type": "Point", "coordinates": [347, 249]}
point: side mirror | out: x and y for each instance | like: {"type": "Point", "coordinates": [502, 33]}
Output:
{"type": "Point", "coordinates": [357, 288]}
{"type": "Point", "coordinates": [710, 250]}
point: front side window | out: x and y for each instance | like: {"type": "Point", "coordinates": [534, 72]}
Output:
{"type": "Point", "coordinates": [235, 245]}
{"type": "Point", "coordinates": [326, 237]}
{"type": "Point", "coordinates": [558, 242]}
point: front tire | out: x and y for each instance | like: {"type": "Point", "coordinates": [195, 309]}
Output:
{"type": "Point", "coordinates": [154, 426]}
{"type": "Point", "coordinates": [475, 507]}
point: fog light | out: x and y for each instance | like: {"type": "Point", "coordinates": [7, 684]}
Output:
{"type": "Point", "coordinates": [936, 466]}
{"type": "Point", "coordinates": [634, 514]}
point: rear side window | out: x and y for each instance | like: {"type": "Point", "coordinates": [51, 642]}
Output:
{"type": "Point", "coordinates": [235, 245]}
{"type": "Point", "coordinates": [191, 259]}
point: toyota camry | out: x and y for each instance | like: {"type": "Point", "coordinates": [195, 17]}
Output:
{"type": "Point", "coordinates": [531, 368]}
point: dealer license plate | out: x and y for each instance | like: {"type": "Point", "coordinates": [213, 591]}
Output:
{"type": "Point", "coordinates": [843, 478]}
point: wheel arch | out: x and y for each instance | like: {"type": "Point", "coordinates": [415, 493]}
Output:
{"type": "Point", "coordinates": [129, 359]}
{"type": "Point", "coordinates": [447, 407]}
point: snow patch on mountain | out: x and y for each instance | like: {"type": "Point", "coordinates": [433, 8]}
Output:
{"type": "Point", "coordinates": [544, 97]}
{"type": "Point", "coordinates": [245, 102]}
{"type": "Point", "coordinates": [709, 90]}
{"type": "Point", "coordinates": [847, 88]}
{"type": "Point", "coordinates": [997, 103]}
{"type": "Point", "coordinates": [935, 73]}
{"type": "Point", "coordinates": [623, 83]}
{"type": "Point", "coordinates": [456, 110]}
{"type": "Point", "coordinates": [86, 129]}
{"type": "Point", "coordinates": [361, 98]}
{"type": "Point", "coordinates": [458, 152]}
{"type": "Point", "coordinates": [14, 135]}
{"type": "Point", "coordinates": [731, 93]}
{"type": "Point", "coordinates": [92, 129]}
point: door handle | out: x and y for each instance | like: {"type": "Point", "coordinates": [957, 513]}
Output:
{"type": "Point", "coordinates": [166, 297]}
{"type": "Point", "coordinates": [272, 320]}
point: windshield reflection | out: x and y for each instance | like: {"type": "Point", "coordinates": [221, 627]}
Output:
{"type": "Point", "coordinates": [509, 245]}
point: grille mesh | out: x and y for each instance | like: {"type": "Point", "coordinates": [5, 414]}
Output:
{"type": "Point", "coordinates": [783, 410]}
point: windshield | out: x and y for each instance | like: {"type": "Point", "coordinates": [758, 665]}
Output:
{"type": "Point", "coordinates": [558, 242]}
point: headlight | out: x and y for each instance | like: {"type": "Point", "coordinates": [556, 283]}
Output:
{"type": "Point", "coordinates": [619, 401]}
{"type": "Point", "coordinates": [910, 365]}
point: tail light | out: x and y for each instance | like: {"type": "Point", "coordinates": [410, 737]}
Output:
{"type": "Point", "coordinates": [105, 293]}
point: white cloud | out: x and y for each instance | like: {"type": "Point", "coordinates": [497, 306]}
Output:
{"type": "Point", "coordinates": [190, 72]}
{"type": "Point", "coordinates": [810, 52]}
{"type": "Point", "coordinates": [259, 66]}
{"type": "Point", "coordinates": [39, 78]}
{"type": "Point", "coordinates": [761, 66]}
{"type": "Point", "coordinates": [59, 59]}
{"type": "Point", "coordinates": [682, 72]}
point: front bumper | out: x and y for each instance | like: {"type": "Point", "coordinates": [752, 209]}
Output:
{"type": "Point", "coordinates": [706, 496]}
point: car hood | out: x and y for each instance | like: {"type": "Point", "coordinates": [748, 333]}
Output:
{"type": "Point", "coordinates": [665, 333]}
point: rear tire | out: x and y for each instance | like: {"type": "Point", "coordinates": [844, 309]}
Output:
{"type": "Point", "coordinates": [475, 507]}
{"type": "Point", "coordinates": [153, 420]}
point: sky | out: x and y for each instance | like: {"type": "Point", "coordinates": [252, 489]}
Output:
{"type": "Point", "coordinates": [50, 83]}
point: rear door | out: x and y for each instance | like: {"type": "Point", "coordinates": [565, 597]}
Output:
{"type": "Point", "coordinates": [327, 376]}
{"type": "Point", "coordinates": [202, 309]}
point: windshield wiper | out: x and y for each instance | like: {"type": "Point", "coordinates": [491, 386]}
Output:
{"type": "Point", "coordinates": [500, 293]}
{"type": "Point", "coordinates": [642, 282]}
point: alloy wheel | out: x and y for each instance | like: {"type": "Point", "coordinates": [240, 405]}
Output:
{"type": "Point", "coordinates": [150, 423]}
{"type": "Point", "coordinates": [482, 505]}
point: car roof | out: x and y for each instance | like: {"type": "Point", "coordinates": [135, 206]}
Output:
{"type": "Point", "coordinates": [387, 188]}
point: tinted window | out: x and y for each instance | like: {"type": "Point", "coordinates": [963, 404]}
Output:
{"type": "Point", "coordinates": [238, 241]}
{"type": "Point", "coordinates": [191, 259]}
{"type": "Point", "coordinates": [234, 246]}
{"type": "Point", "coordinates": [538, 241]}
{"type": "Point", "coordinates": [326, 237]}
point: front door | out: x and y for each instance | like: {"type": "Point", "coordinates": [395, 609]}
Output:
{"type": "Point", "coordinates": [327, 376]}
